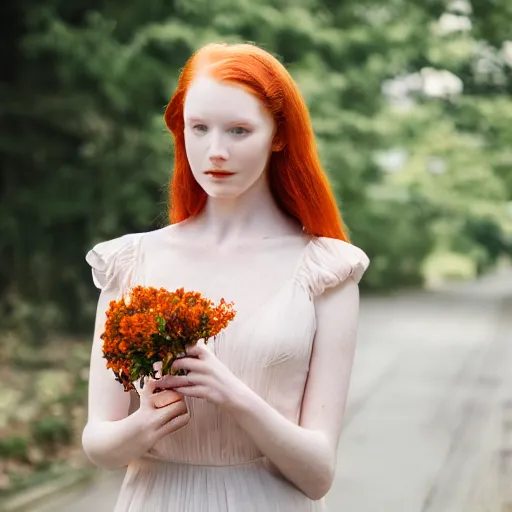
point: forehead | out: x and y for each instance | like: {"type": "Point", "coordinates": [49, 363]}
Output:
{"type": "Point", "coordinates": [210, 98]}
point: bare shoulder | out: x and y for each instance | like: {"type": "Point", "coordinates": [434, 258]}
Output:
{"type": "Point", "coordinates": [178, 231]}
{"type": "Point", "coordinates": [184, 230]}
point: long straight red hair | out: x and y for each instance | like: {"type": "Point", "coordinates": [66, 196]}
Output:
{"type": "Point", "coordinates": [296, 178]}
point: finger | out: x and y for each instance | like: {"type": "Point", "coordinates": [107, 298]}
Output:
{"type": "Point", "coordinates": [175, 424]}
{"type": "Point", "coordinates": [148, 385]}
{"type": "Point", "coordinates": [197, 391]}
{"type": "Point", "coordinates": [164, 398]}
{"type": "Point", "coordinates": [151, 384]}
{"type": "Point", "coordinates": [169, 412]}
{"type": "Point", "coordinates": [158, 369]}
{"type": "Point", "coordinates": [190, 364]}
{"type": "Point", "coordinates": [173, 381]}
{"type": "Point", "coordinates": [198, 350]}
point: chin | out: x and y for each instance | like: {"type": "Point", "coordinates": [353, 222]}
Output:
{"type": "Point", "coordinates": [222, 190]}
{"type": "Point", "coordinates": [227, 189]}
{"type": "Point", "coordinates": [222, 194]}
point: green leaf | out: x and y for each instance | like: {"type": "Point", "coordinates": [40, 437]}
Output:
{"type": "Point", "coordinates": [160, 322]}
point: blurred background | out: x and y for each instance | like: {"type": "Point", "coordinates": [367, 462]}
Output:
{"type": "Point", "coordinates": [411, 104]}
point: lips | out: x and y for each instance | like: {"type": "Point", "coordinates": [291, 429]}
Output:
{"type": "Point", "coordinates": [219, 174]}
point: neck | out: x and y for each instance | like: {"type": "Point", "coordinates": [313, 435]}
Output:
{"type": "Point", "coordinates": [250, 216]}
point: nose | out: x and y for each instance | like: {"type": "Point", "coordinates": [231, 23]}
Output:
{"type": "Point", "coordinates": [217, 152]}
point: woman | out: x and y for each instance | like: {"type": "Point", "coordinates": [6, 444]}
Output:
{"type": "Point", "coordinates": [254, 425]}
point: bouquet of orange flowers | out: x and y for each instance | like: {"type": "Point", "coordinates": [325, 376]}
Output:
{"type": "Point", "coordinates": [150, 325]}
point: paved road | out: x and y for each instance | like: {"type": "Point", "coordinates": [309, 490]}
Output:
{"type": "Point", "coordinates": [429, 418]}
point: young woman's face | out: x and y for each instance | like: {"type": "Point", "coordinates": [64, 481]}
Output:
{"type": "Point", "coordinates": [228, 137]}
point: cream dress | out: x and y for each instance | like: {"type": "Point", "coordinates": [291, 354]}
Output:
{"type": "Point", "coordinates": [212, 465]}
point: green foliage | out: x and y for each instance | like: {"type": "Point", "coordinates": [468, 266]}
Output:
{"type": "Point", "coordinates": [52, 431]}
{"type": "Point", "coordinates": [14, 447]}
{"type": "Point", "coordinates": [86, 157]}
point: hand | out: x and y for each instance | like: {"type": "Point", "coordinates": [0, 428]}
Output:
{"type": "Point", "coordinates": [207, 377]}
{"type": "Point", "coordinates": [161, 412]}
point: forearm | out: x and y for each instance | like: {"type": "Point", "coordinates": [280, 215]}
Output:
{"type": "Point", "coordinates": [113, 444]}
{"type": "Point", "coordinates": [303, 456]}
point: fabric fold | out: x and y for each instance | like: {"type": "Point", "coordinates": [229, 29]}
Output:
{"type": "Point", "coordinates": [329, 262]}
{"type": "Point", "coordinates": [113, 261]}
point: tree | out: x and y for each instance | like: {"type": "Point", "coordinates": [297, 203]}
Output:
{"type": "Point", "coordinates": [86, 155]}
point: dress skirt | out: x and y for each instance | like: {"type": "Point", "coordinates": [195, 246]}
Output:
{"type": "Point", "coordinates": [160, 486]}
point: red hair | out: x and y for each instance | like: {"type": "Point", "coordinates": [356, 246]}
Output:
{"type": "Point", "coordinates": [297, 181]}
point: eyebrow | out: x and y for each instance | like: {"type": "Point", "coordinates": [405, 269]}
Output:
{"type": "Point", "coordinates": [195, 119]}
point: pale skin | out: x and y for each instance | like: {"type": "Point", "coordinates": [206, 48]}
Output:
{"type": "Point", "coordinates": [239, 208]}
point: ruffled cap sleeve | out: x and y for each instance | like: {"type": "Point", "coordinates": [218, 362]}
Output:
{"type": "Point", "coordinates": [328, 262]}
{"type": "Point", "coordinates": [113, 262]}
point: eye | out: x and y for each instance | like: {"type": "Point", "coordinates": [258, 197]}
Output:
{"type": "Point", "coordinates": [239, 130]}
{"type": "Point", "coordinates": [200, 128]}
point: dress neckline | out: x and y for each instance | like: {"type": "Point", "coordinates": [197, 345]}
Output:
{"type": "Point", "coordinates": [170, 236]}
{"type": "Point", "coordinates": [292, 280]}
{"type": "Point", "coordinates": [258, 310]}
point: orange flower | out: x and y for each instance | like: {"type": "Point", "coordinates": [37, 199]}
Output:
{"type": "Point", "coordinates": [150, 325]}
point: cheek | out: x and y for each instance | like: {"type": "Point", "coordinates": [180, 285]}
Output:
{"type": "Point", "coordinates": [253, 154]}
{"type": "Point", "coordinates": [195, 152]}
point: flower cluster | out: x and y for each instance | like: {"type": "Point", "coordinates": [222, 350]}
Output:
{"type": "Point", "coordinates": [149, 325]}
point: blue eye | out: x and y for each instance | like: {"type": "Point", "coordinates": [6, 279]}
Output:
{"type": "Point", "coordinates": [239, 130]}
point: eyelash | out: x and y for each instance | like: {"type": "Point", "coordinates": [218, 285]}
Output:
{"type": "Point", "coordinates": [245, 130]}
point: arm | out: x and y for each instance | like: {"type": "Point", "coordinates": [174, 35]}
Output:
{"type": "Point", "coordinates": [304, 454]}
{"type": "Point", "coordinates": [112, 438]}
